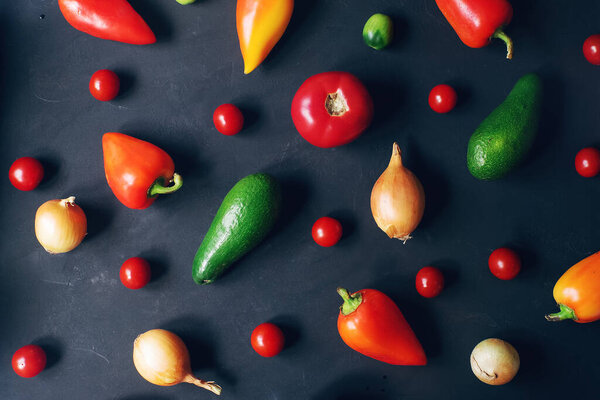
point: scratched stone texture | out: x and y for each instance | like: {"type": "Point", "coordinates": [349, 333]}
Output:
{"type": "Point", "coordinates": [75, 306]}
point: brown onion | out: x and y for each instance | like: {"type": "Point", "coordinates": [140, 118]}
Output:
{"type": "Point", "coordinates": [60, 225]}
{"type": "Point", "coordinates": [162, 358]}
{"type": "Point", "coordinates": [397, 199]}
{"type": "Point", "coordinates": [495, 361]}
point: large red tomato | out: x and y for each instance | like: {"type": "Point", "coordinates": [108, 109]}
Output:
{"type": "Point", "coordinates": [331, 109]}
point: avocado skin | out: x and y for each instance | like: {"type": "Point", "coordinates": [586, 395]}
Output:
{"type": "Point", "coordinates": [503, 139]}
{"type": "Point", "coordinates": [248, 213]}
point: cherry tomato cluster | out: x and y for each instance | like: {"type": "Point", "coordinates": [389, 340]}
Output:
{"type": "Point", "coordinates": [342, 108]}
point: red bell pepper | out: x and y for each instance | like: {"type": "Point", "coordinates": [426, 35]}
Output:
{"type": "Point", "coordinates": [107, 19]}
{"type": "Point", "coordinates": [371, 323]}
{"type": "Point", "coordinates": [136, 170]}
{"type": "Point", "coordinates": [478, 21]}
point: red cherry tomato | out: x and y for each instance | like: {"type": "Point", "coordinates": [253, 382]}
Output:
{"type": "Point", "coordinates": [26, 173]}
{"type": "Point", "coordinates": [429, 282]}
{"type": "Point", "coordinates": [228, 119]}
{"type": "Point", "coordinates": [104, 85]}
{"type": "Point", "coordinates": [442, 98]}
{"type": "Point", "coordinates": [331, 109]}
{"type": "Point", "coordinates": [591, 49]}
{"type": "Point", "coordinates": [135, 273]}
{"type": "Point", "coordinates": [29, 361]}
{"type": "Point", "coordinates": [504, 263]}
{"type": "Point", "coordinates": [587, 162]}
{"type": "Point", "coordinates": [327, 231]}
{"type": "Point", "coordinates": [267, 340]}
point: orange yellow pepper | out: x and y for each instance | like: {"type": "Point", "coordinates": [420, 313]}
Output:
{"type": "Point", "coordinates": [577, 292]}
{"type": "Point", "coordinates": [260, 25]}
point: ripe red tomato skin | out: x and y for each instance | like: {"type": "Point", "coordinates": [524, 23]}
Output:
{"type": "Point", "coordinates": [504, 263]}
{"type": "Point", "coordinates": [228, 119]}
{"type": "Point", "coordinates": [429, 282]}
{"type": "Point", "coordinates": [267, 339]}
{"type": "Point", "coordinates": [104, 85]}
{"type": "Point", "coordinates": [26, 173]}
{"type": "Point", "coordinates": [316, 124]}
{"type": "Point", "coordinates": [442, 99]}
{"type": "Point", "coordinates": [587, 162]}
{"type": "Point", "coordinates": [135, 273]}
{"type": "Point", "coordinates": [29, 361]}
{"type": "Point", "coordinates": [591, 49]}
{"type": "Point", "coordinates": [327, 231]}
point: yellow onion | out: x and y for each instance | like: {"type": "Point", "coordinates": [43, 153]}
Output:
{"type": "Point", "coordinates": [60, 225]}
{"type": "Point", "coordinates": [161, 358]}
{"type": "Point", "coordinates": [397, 199]}
{"type": "Point", "coordinates": [495, 361]}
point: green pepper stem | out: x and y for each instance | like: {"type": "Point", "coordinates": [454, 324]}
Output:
{"type": "Point", "coordinates": [499, 34]}
{"type": "Point", "coordinates": [564, 313]}
{"type": "Point", "coordinates": [351, 302]}
{"type": "Point", "coordinates": [158, 188]}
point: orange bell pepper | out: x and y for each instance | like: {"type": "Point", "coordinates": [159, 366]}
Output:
{"type": "Point", "coordinates": [260, 25]}
{"type": "Point", "coordinates": [577, 292]}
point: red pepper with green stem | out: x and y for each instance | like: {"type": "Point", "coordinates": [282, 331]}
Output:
{"type": "Point", "coordinates": [137, 171]}
{"type": "Point", "coordinates": [371, 323]}
{"type": "Point", "coordinates": [478, 21]}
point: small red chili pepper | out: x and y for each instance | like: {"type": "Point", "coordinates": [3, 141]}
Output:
{"type": "Point", "coordinates": [107, 19]}
{"type": "Point", "coordinates": [137, 171]}
{"type": "Point", "coordinates": [371, 323]}
{"type": "Point", "coordinates": [478, 21]}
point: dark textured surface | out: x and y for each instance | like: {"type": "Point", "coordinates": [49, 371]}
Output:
{"type": "Point", "coordinates": [75, 307]}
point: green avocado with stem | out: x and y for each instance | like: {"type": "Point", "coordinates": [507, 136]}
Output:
{"type": "Point", "coordinates": [503, 139]}
{"type": "Point", "coordinates": [246, 216]}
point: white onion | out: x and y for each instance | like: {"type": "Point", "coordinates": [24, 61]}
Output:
{"type": "Point", "coordinates": [60, 225]}
{"type": "Point", "coordinates": [495, 361]}
{"type": "Point", "coordinates": [162, 358]}
{"type": "Point", "coordinates": [397, 199]}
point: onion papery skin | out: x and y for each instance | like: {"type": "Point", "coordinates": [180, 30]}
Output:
{"type": "Point", "coordinates": [495, 361]}
{"type": "Point", "coordinates": [397, 199]}
{"type": "Point", "coordinates": [60, 225]}
{"type": "Point", "coordinates": [162, 359]}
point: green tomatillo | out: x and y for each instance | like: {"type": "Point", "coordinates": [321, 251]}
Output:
{"type": "Point", "coordinates": [378, 31]}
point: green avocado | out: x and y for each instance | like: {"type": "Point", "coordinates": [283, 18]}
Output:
{"type": "Point", "coordinates": [503, 139]}
{"type": "Point", "coordinates": [247, 214]}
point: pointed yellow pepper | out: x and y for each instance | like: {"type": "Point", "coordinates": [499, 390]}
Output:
{"type": "Point", "coordinates": [260, 25]}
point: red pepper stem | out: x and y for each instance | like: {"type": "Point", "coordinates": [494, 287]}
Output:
{"type": "Point", "coordinates": [351, 302]}
{"type": "Point", "coordinates": [564, 313]}
{"type": "Point", "coordinates": [158, 188]}
{"type": "Point", "coordinates": [499, 34]}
